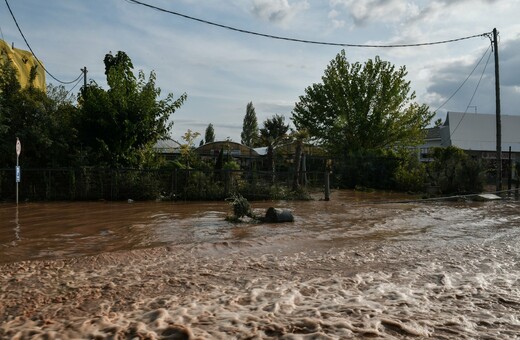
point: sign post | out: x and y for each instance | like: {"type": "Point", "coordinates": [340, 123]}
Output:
{"type": "Point", "coordinates": [18, 172]}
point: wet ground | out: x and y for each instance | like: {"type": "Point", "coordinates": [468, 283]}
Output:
{"type": "Point", "coordinates": [360, 265]}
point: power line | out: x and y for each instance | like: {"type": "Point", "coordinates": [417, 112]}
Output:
{"type": "Point", "coordinates": [301, 40]}
{"type": "Point", "coordinates": [38, 60]}
{"type": "Point", "coordinates": [473, 96]}
{"type": "Point", "coordinates": [465, 80]}
{"type": "Point", "coordinates": [73, 87]}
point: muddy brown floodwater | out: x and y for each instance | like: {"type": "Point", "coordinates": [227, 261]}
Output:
{"type": "Point", "coordinates": [360, 265]}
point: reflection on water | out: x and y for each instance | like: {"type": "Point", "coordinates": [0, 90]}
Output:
{"type": "Point", "coordinates": [48, 230]}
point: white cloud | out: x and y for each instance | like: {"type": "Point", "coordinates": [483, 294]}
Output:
{"type": "Point", "coordinates": [336, 23]}
{"type": "Point", "coordinates": [363, 12]}
{"type": "Point", "coordinates": [277, 11]}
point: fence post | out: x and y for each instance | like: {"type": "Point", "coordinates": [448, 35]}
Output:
{"type": "Point", "coordinates": [327, 185]}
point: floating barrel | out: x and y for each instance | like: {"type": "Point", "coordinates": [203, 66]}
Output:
{"type": "Point", "coordinates": [275, 215]}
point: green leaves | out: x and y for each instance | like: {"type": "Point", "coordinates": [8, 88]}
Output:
{"type": "Point", "coordinates": [121, 124]}
{"type": "Point", "coordinates": [249, 133]}
{"type": "Point", "coordinates": [361, 107]}
{"type": "Point", "coordinates": [209, 135]}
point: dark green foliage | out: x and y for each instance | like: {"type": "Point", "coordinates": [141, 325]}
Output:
{"type": "Point", "coordinates": [209, 135]}
{"type": "Point", "coordinates": [410, 174]}
{"type": "Point", "coordinates": [366, 170]}
{"type": "Point", "coordinates": [454, 172]}
{"type": "Point", "coordinates": [361, 107]}
{"type": "Point", "coordinates": [116, 127]}
{"type": "Point", "coordinates": [249, 135]}
{"type": "Point", "coordinates": [41, 121]}
{"type": "Point", "coordinates": [119, 126]}
{"type": "Point", "coordinates": [272, 134]}
{"type": "Point", "coordinates": [241, 206]}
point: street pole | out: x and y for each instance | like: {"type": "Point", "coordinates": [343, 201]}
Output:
{"type": "Point", "coordinates": [84, 70]}
{"type": "Point", "coordinates": [498, 122]}
{"type": "Point", "coordinates": [17, 169]}
{"type": "Point", "coordinates": [17, 166]}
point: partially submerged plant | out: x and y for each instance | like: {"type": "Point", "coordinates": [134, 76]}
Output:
{"type": "Point", "coordinates": [241, 207]}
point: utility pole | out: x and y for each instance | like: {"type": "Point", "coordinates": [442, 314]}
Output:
{"type": "Point", "coordinates": [499, 124]}
{"type": "Point", "coordinates": [84, 70]}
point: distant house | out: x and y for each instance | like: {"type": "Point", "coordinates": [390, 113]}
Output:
{"type": "Point", "coordinates": [477, 133]}
{"type": "Point", "coordinates": [432, 139]}
{"type": "Point", "coordinates": [314, 157]}
{"type": "Point", "coordinates": [167, 148]}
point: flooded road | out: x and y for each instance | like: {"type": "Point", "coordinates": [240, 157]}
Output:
{"type": "Point", "coordinates": [360, 265]}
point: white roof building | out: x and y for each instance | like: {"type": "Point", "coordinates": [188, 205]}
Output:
{"type": "Point", "coordinates": [477, 131]}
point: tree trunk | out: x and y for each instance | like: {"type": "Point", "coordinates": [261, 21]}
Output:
{"type": "Point", "coordinates": [297, 167]}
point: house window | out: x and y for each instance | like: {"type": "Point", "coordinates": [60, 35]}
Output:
{"type": "Point", "coordinates": [425, 153]}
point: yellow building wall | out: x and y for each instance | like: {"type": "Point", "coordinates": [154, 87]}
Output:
{"type": "Point", "coordinates": [23, 61]}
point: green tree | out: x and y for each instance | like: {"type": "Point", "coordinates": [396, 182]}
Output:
{"type": "Point", "coordinates": [272, 134]}
{"type": "Point", "coordinates": [9, 88]}
{"type": "Point", "coordinates": [186, 148]}
{"type": "Point", "coordinates": [209, 135]}
{"type": "Point", "coordinates": [361, 107]}
{"type": "Point", "coordinates": [249, 133]}
{"type": "Point", "coordinates": [41, 121]}
{"type": "Point", "coordinates": [119, 126]}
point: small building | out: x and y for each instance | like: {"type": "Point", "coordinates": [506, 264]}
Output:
{"type": "Point", "coordinates": [476, 134]}
{"type": "Point", "coordinates": [431, 140]}
{"type": "Point", "coordinates": [242, 154]}
{"type": "Point", "coordinates": [167, 148]}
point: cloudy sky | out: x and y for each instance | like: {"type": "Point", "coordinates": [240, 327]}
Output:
{"type": "Point", "coordinates": [222, 70]}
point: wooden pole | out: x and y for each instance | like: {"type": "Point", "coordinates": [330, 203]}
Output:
{"type": "Point", "coordinates": [498, 122]}
{"type": "Point", "coordinates": [84, 70]}
{"type": "Point", "coordinates": [327, 185]}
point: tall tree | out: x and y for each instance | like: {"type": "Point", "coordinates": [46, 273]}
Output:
{"type": "Point", "coordinates": [272, 134]}
{"type": "Point", "coordinates": [361, 107]}
{"type": "Point", "coordinates": [249, 135]}
{"type": "Point", "coordinates": [119, 126]}
{"type": "Point", "coordinates": [209, 135]}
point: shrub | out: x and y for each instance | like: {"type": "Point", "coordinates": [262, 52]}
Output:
{"type": "Point", "coordinates": [454, 172]}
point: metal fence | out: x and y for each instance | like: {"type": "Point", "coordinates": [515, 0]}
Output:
{"type": "Point", "coordinates": [121, 184]}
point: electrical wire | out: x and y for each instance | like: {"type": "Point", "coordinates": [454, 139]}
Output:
{"type": "Point", "coordinates": [69, 91]}
{"type": "Point", "coordinates": [38, 60]}
{"type": "Point", "coordinates": [300, 40]}
{"type": "Point", "coordinates": [473, 96]}
{"type": "Point", "coordinates": [465, 80]}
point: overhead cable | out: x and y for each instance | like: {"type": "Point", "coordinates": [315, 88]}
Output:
{"type": "Point", "coordinates": [465, 80]}
{"type": "Point", "coordinates": [73, 87]}
{"type": "Point", "coordinates": [300, 40]}
{"type": "Point", "coordinates": [38, 60]}
{"type": "Point", "coordinates": [473, 96]}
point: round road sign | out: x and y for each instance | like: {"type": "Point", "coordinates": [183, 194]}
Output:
{"type": "Point", "coordinates": [18, 147]}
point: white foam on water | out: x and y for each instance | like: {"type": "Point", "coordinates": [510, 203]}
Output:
{"type": "Point", "coordinates": [391, 271]}
{"type": "Point", "coordinates": [390, 292]}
